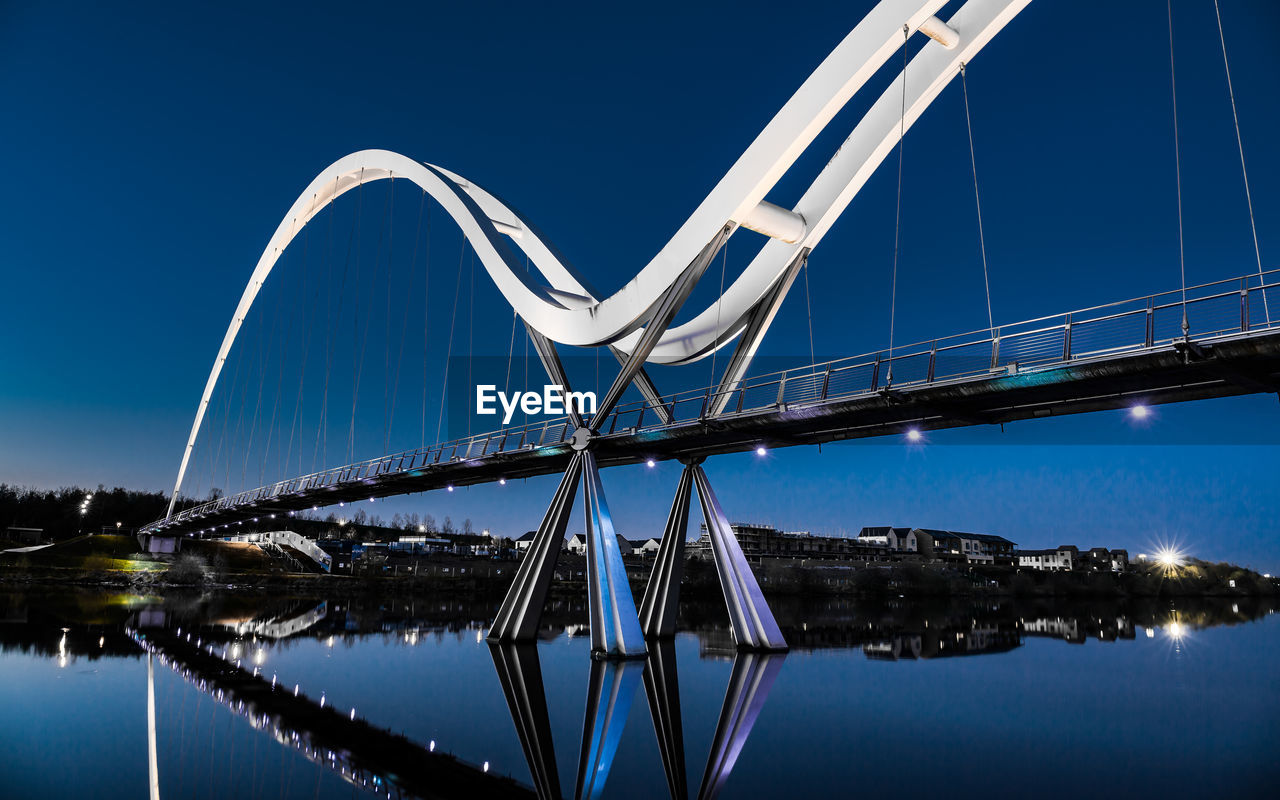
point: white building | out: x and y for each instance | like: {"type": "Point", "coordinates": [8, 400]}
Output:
{"type": "Point", "coordinates": [1062, 559]}
{"type": "Point", "coordinates": [902, 540]}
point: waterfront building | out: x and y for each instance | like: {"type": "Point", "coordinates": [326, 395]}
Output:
{"type": "Point", "coordinates": [1062, 559]}
{"type": "Point", "coordinates": [895, 539]}
{"type": "Point", "coordinates": [971, 548]}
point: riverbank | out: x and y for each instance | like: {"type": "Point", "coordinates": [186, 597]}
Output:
{"type": "Point", "coordinates": [242, 572]}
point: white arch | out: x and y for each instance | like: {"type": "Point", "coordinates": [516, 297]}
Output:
{"type": "Point", "coordinates": [566, 309]}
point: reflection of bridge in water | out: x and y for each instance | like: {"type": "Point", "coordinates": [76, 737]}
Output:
{"type": "Point", "coordinates": [371, 758]}
{"type": "Point", "coordinates": [214, 638]}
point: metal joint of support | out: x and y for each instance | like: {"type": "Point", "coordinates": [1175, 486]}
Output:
{"type": "Point", "coordinates": [660, 316]}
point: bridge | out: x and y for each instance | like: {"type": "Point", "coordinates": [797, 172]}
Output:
{"type": "Point", "coordinates": [1193, 342]}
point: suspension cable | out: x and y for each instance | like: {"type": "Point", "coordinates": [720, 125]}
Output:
{"type": "Point", "coordinates": [1177, 159]}
{"type": "Point", "coordinates": [426, 322]}
{"type": "Point", "coordinates": [364, 338]}
{"type": "Point", "coordinates": [808, 307]}
{"type": "Point", "coordinates": [897, 216]}
{"type": "Point", "coordinates": [386, 344]}
{"type": "Point", "coordinates": [471, 330]}
{"type": "Point", "coordinates": [973, 164]}
{"type": "Point", "coordinates": [322, 432]}
{"type": "Point", "coordinates": [511, 351]}
{"type": "Point", "coordinates": [457, 292]}
{"type": "Point", "coordinates": [1248, 196]}
{"type": "Point", "coordinates": [404, 323]}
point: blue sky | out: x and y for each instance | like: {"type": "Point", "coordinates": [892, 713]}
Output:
{"type": "Point", "coordinates": [154, 149]}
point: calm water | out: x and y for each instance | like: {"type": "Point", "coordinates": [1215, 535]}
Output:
{"type": "Point", "coordinates": [404, 698]}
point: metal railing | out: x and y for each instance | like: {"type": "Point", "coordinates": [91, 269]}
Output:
{"type": "Point", "coordinates": [1212, 311]}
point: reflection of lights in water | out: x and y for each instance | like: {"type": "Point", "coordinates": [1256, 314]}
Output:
{"type": "Point", "coordinates": [62, 649]}
{"type": "Point", "coordinates": [353, 715]}
{"type": "Point", "coordinates": [260, 656]}
{"type": "Point", "coordinates": [329, 642]}
{"type": "Point", "coordinates": [235, 650]}
{"type": "Point", "coordinates": [432, 747]}
{"type": "Point", "coordinates": [486, 766]}
{"type": "Point", "coordinates": [1151, 633]}
{"type": "Point", "coordinates": [1176, 630]}
{"type": "Point", "coordinates": [479, 636]}
{"type": "Point", "coordinates": [102, 641]}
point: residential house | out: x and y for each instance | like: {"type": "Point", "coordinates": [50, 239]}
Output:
{"type": "Point", "coordinates": [1065, 558]}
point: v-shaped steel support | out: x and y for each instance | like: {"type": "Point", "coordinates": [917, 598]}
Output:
{"type": "Point", "coordinates": [550, 359]}
{"type": "Point", "coordinates": [757, 325]}
{"type": "Point", "coordinates": [615, 629]}
{"type": "Point", "coordinates": [659, 319]}
{"type": "Point", "coordinates": [750, 619]}
{"type": "Point", "coordinates": [662, 595]}
{"type": "Point", "coordinates": [518, 617]}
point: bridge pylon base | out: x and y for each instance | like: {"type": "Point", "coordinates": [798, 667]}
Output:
{"type": "Point", "coordinates": [750, 619]}
{"type": "Point", "coordinates": [662, 595]}
{"type": "Point", "coordinates": [615, 628]}
{"type": "Point", "coordinates": [521, 609]}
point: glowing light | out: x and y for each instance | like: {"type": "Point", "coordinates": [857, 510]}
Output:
{"type": "Point", "coordinates": [486, 766]}
{"type": "Point", "coordinates": [914, 435]}
{"type": "Point", "coordinates": [431, 748]}
{"type": "Point", "coordinates": [650, 463]}
{"type": "Point", "coordinates": [1169, 558]}
{"type": "Point", "coordinates": [450, 487]}
{"type": "Point", "coordinates": [502, 481]}
{"type": "Point", "coordinates": [1151, 633]}
{"type": "Point", "coordinates": [761, 450]}
{"type": "Point", "coordinates": [1139, 411]}
{"type": "Point", "coordinates": [370, 499]}
{"type": "Point", "coordinates": [1176, 630]}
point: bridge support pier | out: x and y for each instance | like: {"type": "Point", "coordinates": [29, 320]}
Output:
{"type": "Point", "coordinates": [750, 619]}
{"type": "Point", "coordinates": [615, 629]}
{"type": "Point", "coordinates": [521, 609]}
{"type": "Point", "coordinates": [662, 595]}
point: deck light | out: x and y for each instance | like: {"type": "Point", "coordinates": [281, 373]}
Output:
{"type": "Point", "coordinates": [760, 450]}
{"type": "Point", "coordinates": [1139, 411]}
{"type": "Point", "coordinates": [651, 463]}
{"type": "Point", "coordinates": [913, 435]}
{"type": "Point", "coordinates": [450, 487]}
{"type": "Point", "coordinates": [502, 481]}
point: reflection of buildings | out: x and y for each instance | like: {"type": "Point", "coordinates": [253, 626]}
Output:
{"type": "Point", "coordinates": [942, 643]}
{"type": "Point", "coordinates": [1078, 629]}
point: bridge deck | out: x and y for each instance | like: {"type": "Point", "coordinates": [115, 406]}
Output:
{"type": "Point", "coordinates": [1102, 358]}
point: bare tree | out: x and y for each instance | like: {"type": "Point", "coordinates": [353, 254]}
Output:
{"type": "Point", "coordinates": [467, 527]}
{"type": "Point", "coordinates": [448, 526]}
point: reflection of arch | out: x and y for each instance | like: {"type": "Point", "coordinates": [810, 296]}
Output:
{"type": "Point", "coordinates": [568, 311]}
